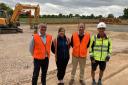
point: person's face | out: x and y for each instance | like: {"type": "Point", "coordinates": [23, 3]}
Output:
{"type": "Point", "coordinates": [43, 29]}
{"type": "Point", "coordinates": [81, 28]}
{"type": "Point", "coordinates": [101, 30]}
{"type": "Point", "coordinates": [62, 33]}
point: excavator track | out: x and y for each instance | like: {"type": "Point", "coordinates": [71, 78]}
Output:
{"type": "Point", "coordinates": [10, 30]}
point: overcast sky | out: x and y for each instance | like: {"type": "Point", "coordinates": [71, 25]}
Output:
{"type": "Point", "coordinates": [82, 7]}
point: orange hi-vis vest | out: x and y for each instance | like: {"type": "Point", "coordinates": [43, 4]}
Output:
{"type": "Point", "coordinates": [80, 48]}
{"type": "Point", "coordinates": [41, 49]}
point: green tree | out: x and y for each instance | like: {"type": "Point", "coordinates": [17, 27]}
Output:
{"type": "Point", "coordinates": [125, 16]}
{"type": "Point", "coordinates": [60, 15]}
{"type": "Point", "coordinates": [110, 16]}
{"type": "Point", "coordinates": [70, 15]}
{"type": "Point", "coordinates": [3, 6]}
{"type": "Point", "coordinates": [83, 17]}
{"type": "Point", "coordinates": [77, 15]}
{"type": "Point", "coordinates": [99, 17]}
{"type": "Point", "coordinates": [92, 16]}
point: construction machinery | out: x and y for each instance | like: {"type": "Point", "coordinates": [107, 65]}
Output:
{"type": "Point", "coordinates": [11, 23]}
{"type": "Point", "coordinates": [110, 20]}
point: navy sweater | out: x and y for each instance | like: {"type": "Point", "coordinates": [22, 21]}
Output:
{"type": "Point", "coordinates": [62, 48]}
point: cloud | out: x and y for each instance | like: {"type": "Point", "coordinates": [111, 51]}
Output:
{"type": "Point", "coordinates": [87, 3]}
{"type": "Point", "coordinates": [102, 10]}
{"type": "Point", "coordinates": [83, 7]}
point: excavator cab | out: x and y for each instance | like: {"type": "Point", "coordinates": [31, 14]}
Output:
{"type": "Point", "coordinates": [4, 19]}
{"type": "Point", "coordinates": [2, 14]}
{"type": "Point", "coordinates": [6, 26]}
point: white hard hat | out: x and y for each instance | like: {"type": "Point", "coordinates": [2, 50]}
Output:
{"type": "Point", "coordinates": [101, 25]}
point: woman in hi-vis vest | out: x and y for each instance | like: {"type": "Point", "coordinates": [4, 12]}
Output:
{"type": "Point", "coordinates": [60, 47]}
{"type": "Point", "coordinates": [40, 47]}
{"type": "Point", "coordinates": [80, 42]}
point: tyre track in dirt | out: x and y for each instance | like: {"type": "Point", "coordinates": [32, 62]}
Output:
{"type": "Point", "coordinates": [116, 73]}
{"type": "Point", "coordinates": [52, 74]}
{"type": "Point", "coordinates": [4, 71]}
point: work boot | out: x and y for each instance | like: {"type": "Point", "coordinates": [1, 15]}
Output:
{"type": "Point", "coordinates": [71, 82]}
{"type": "Point", "coordinates": [99, 82]}
{"type": "Point", "coordinates": [82, 82]}
{"type": "Point", "coordinates": [93, 82]}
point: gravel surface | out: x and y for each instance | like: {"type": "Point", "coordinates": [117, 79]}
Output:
{"type": "Point", "coordinates": [16, 63]}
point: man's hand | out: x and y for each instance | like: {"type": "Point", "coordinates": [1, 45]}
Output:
{"type": "Point", "coordinates": [107, 58]}
{"type": "Point", "coordinates": [92, 59]}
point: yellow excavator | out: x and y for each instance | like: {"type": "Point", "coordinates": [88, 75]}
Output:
{"type": "Point", "coordinates": [10, 24]}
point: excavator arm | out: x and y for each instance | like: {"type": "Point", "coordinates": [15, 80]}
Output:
{"type": "Point", "coordinates": [18, 9]}
{"type": "Point", "coordinates": [12, 22]}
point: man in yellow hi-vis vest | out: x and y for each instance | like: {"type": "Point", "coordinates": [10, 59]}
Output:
{"type": "Point", "coordinates": [100, 52]}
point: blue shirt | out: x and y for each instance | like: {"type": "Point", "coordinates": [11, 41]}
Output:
{"type": "Point", "coordinates": [31, 47]}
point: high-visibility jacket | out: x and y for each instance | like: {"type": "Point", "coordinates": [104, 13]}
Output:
{"type": "Point", "coordinates": [42, 50]}
{"type": "Point", "coordinates": [80, 48]}
{"type": "Point", "coordinates": [100, 48]}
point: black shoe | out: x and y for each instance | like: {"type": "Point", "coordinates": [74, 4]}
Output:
{"type": "Point", "coordinates": [93, 82]}
{"type": "Point", "coordinates": [99, 82]}
{"type": "Point", "coordinates": [71, 82]}
{"type": "Point", "coordinates": [60, 83]}
{"type": "Point", "coordinates": [82, 82]}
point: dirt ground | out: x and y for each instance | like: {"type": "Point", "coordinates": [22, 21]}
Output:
{"type": "Point", "coordinates": [16, 63]}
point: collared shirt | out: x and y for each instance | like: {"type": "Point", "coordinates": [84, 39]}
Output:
{"type": "Point", "coordinates": [43, 37]}
{"type": "Point", "coordinates": [31, 46]}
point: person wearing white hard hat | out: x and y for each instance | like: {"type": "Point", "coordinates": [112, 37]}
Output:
{"type": "Point", "coordinates": [100, 52]}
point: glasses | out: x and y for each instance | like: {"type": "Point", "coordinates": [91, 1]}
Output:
{"type": "Point", "coordinates": [101, 28]}
{"type": "Point", "coordinates": [42, 29]}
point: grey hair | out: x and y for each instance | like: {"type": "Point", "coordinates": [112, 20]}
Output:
{"type": "Point", "coordinates": [41, 24]}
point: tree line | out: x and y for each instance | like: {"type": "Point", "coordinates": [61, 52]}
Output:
{"type": "Point", "coordinates": [91, 16]}
{"type": "Point", "coordinates": [4, 6]}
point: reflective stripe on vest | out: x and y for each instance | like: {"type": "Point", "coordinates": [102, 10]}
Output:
{"type": "Point", "coordinates": [100, 49]}
{"type": "Point", "coordinates": [80, 48]}
{"type": "Point", "coordinates": [41, 49]}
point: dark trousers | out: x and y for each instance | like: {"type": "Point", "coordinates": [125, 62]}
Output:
{"type": "Point", "coordinates": [43, 64]}
{"type": "Point", "coordinates": [61, 68]}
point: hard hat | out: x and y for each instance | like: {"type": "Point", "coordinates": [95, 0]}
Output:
{"type": "Point", "coordinates": [101, 25]}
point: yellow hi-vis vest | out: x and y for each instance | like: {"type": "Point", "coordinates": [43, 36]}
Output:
{"type": "Point", "coordinates": [100, 48]}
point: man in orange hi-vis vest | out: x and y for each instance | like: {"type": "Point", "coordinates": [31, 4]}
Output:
{"type": "Point", "coordinates": [80, 42]}
{"type": "Point", "coordinates": [40, 47]}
